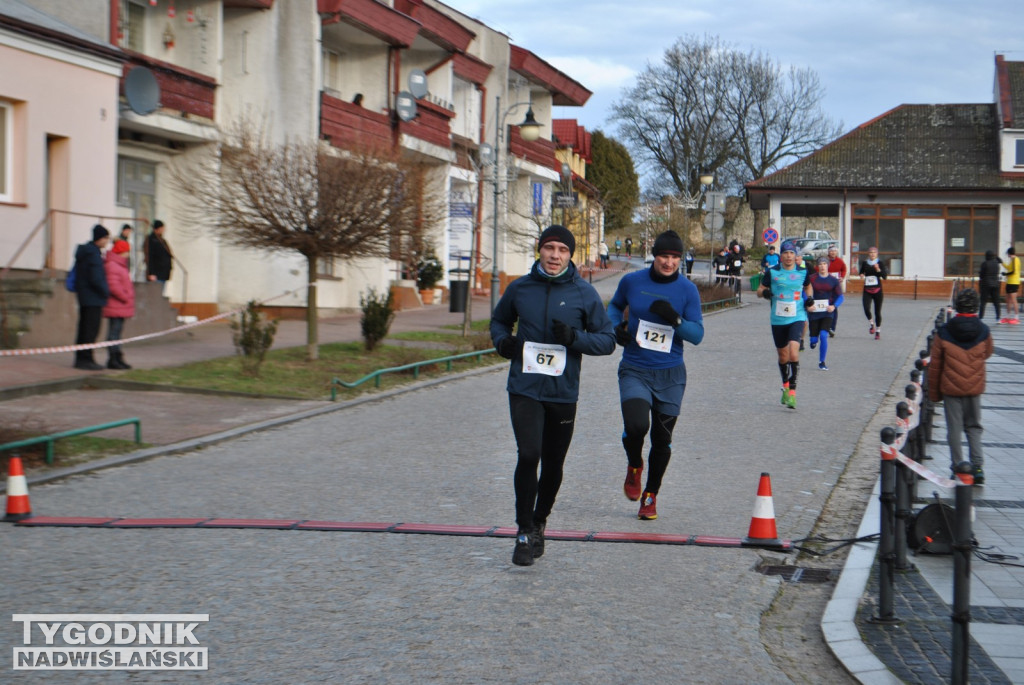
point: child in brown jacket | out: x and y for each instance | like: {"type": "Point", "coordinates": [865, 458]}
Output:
{"type": "Point", "coordinates": [956, 375]}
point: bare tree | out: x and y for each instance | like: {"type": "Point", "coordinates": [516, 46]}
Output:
{"type": "Point", "coordinates": [676, 119]}
{"type": "Point", "coordinates": [707, 106]}
{"type": "Point", "coordinates": [780, 118]}
{"type": "Point", "coordinates": [310, 198]}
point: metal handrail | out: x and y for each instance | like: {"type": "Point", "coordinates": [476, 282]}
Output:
{"type": "Point", "coordinates": [718, 304]}
{"type": "Point", "coordinates": [415, 366]}
{"type": "Point", "coordinates": [53, 437]}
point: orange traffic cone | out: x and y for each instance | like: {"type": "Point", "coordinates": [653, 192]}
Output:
{"type": "Point", "coordinates": [762, 523]}
{"type": "Point", "coordinates": [17, 492]}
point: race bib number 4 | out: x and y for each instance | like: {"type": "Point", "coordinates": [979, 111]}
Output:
{"type": "Point", "coordinates": [653, 336]}
{"type": "Point", "coordinates": [785, 308]}
{"type": "Point", "coordinates": [543, 358]}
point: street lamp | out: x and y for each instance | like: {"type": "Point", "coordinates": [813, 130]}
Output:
{"type": "Point", "coordinates": [529, 130]}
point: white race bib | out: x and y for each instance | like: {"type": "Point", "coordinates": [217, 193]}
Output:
{"type": "Point", "coordinates": [654, 336]}
{"type": "Point", "coordinates": [785, 308]}
{"type": "Point", "coordinates": [738, 263]}
{"type": "Point", "coordinates": [820, 306]}
{"type": "Point", "coordinates": [543, 358]}
{"type": "Point", "coordinates": [871, 281]}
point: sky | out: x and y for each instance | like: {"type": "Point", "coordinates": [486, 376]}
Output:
{"type": "Point", "coordinates": [870, 55]}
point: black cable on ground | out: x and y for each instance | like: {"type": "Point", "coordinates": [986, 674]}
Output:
{"type": "Point", "coordinates": [843, 542]}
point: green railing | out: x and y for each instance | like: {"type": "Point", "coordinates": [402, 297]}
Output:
{"type": "Point", "coordinates": [53, 437]}
{"type": "Point", "coordinates": [415, 366]}
{"type": "Point", "coordinates": [719, 304]}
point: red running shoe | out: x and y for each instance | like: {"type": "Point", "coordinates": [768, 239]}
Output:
{"type": "Point", "coordinates": [648, 510]}
{"type": "Point", "coordinates": [632, 486]}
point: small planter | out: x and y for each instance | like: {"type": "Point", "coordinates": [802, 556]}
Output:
{"type": "Point", "coordinates": [427, 296]}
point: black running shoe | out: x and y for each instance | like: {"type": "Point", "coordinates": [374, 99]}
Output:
{"type": "Point", "coordinates": [522, 555]}
{"type": "Point", "coordinates": [537, 538]}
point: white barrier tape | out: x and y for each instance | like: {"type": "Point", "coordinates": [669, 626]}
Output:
{"type": "Point", "coordinates": [112, 343]}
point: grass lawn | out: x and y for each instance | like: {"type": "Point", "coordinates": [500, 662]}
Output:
{"type": "Point", "coordinates": [286, 373]}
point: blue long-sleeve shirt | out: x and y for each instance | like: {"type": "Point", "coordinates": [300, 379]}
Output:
{"type": "Point", "coordinates": [638, 291]}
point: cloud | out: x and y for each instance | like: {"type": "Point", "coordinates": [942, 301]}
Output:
{"type": "Point", "coordinates": [594, 74]}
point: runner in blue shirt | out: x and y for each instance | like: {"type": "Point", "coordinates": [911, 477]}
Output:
{"type": "Point", "coordinates": [786, 286]}
{"type": "Point", "coordinates": [664, 311]}
{"type": "Point", "coordinates": [827, 295]}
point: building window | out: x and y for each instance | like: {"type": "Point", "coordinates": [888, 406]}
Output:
{"type": "Point", "coordinates": [331, 68]}
{"type": "Point", "coordinates": [6, 153]}
{"type": "Point", "coordinates": [970, 231]}
{"type": "Point", "coordinates": [133, 25]}
{"type": "Point", "coordinates": [1020, 152]}
{"type": "Point", "coordinates": [1018, 229]}
{"type": "Point", "coordinates": [325, 267]}
{"type": "Point", "coordinates": [880, 227]}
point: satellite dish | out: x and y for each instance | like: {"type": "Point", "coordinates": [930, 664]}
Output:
{"type": "Point", "coordinates": [405, 105]}
{"type": "Point", "coordinates": [486, 153]}
{"type": "Point", "coordinates": [142, 91]}
{"type": "Point", "coordinates": [418, 83]}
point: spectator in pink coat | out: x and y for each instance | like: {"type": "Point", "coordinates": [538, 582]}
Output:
{"type": "Point", "coordinates": [121, 304]}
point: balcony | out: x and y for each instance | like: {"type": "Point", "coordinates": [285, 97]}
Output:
{"type": "Point", "coordinates": [432, 124]}
{"type": "Point", "coordinates": [181, 89]}
{"type": "Point", "coordinates": [347, 125]}
{"type": "Point", "coordinates": [541, 152]}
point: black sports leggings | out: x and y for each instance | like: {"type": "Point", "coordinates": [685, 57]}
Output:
{"type": "Point", "coordinates": [877, 299]}
{"type": "Point", "coordinates": [989, 293]}
{"type": "Point", "coordinates": [636, 419]}
{"type": "Point", "coordinates": [543, 432]}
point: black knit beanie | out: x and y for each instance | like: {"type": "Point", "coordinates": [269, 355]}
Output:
{"type": "Point", "coordinates": [98, 232]}
{"type": "Point", "coordinates": [669, 243]}
{"type": "Point", "coordinates": [560, 234]}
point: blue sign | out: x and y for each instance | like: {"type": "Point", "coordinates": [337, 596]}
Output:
{"type": "Point", "coordinates": [538, 199]}
{"type": "Point", "coordinates": [770, 236]}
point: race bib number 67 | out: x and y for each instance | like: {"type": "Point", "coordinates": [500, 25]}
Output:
{"type": "Point", "coordinates": [543, 358]}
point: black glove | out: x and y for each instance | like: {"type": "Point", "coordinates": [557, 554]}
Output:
{"type": "Point", "coordinates": [808, 303]}
{"type": "Point", "coordinates": [622, 335]}
{"type": "Point", "coordinates": [564, 334]}
{"type": "Point", "coordinates": [766, 283]}
{"type": "Point", "coordinates": [663, 309]}
{"type": "Point", "coordinates": [508, 347]}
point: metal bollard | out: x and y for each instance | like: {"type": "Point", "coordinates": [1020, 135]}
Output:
{"type": "Point", "coordinates": [886, 543]}
{"type": "Point", "coordinates": [962, 549]}
{"type": "Point", "coordinates": [905, 483]}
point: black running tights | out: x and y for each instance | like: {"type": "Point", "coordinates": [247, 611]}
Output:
{"type": "Point", "coordinates": [543, 432]}
{"type": "Point", "coordinates": [877, 299]}
{"type": "Point", "coordinates": [637, 418]}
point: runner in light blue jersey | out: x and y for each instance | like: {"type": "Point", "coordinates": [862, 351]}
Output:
{"type": "Point", "coordinates": [786, 286]}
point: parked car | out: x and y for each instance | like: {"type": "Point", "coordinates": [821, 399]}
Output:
{"type": "Point", "coordinates": [817, 248]}
{"type": "Point", "coordinates": [799, 242]}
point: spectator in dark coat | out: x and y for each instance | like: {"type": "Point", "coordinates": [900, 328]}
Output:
{"type": "Point", "coordinates": [92, 292]}
{"type": "Point", "coordinates": [158, 255]}
{"type": "Point", "coordinates": [988, 282]}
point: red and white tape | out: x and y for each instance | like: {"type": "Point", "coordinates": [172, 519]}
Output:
{"type": "Point", "coordinates": [137, 338]}
{"type": "Point", "coordinates": [922, 471]}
